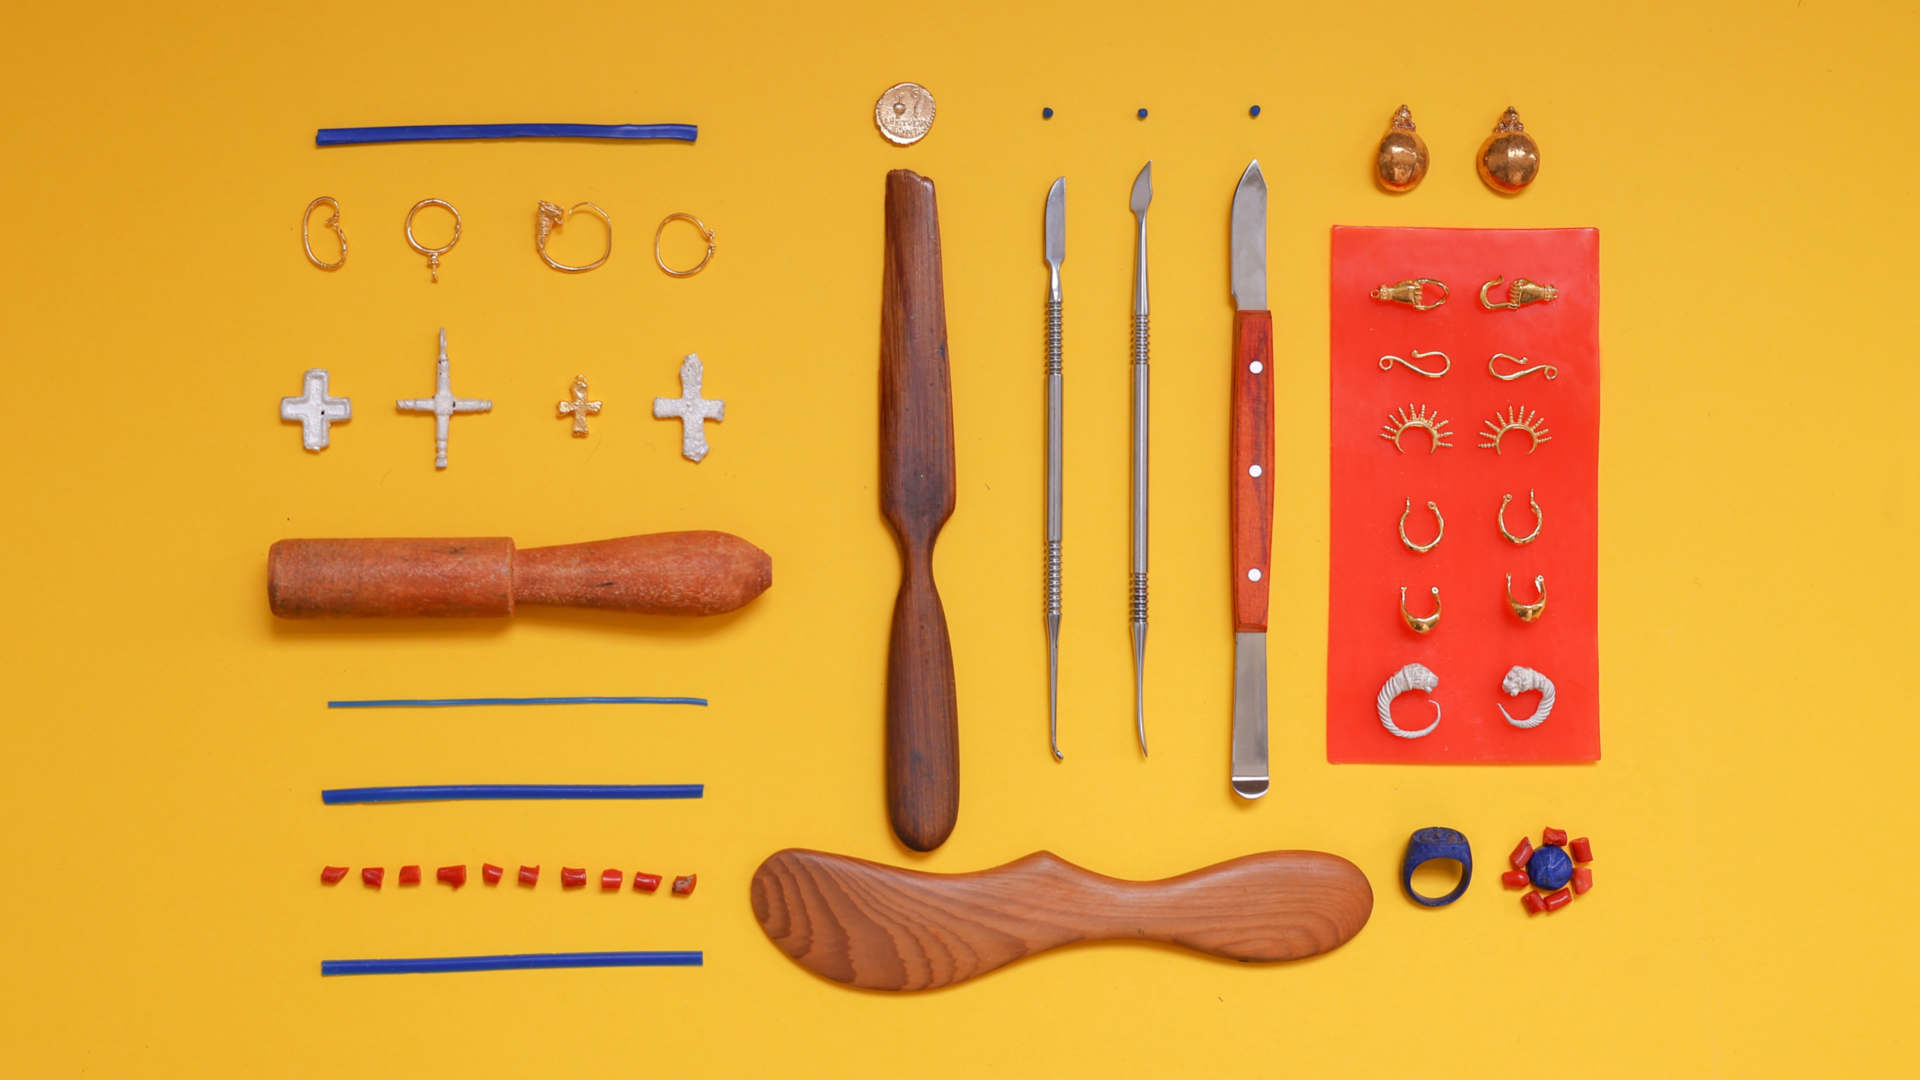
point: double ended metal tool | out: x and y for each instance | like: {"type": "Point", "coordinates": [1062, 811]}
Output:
{"type": "Point", "coordinates": [1142, 195]}
{"type": "Point", "coordinates": [1252, 484]}
{"type": "Point", "coordinates": [1056, 240]}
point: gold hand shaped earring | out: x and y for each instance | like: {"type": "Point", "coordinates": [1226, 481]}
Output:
{"type": "Point", "coordinates": [433, 254]}
{"type": "Point", "coordinates": [550, 217]}
{"type": "Point", "coordinates": [332, 222]}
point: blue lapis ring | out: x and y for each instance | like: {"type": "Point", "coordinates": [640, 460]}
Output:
{"type": "Point", "coordinates": [1427, 845]}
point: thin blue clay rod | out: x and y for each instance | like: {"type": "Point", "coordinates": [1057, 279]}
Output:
{"type": "Point", "coordinates": [511, 962]}
{"type": "Point", "coordinates": [434, 703]}
{"type": "Point", "coordinates": [446, 132]}
{"type": "Point", "coordinates": [465, 792]}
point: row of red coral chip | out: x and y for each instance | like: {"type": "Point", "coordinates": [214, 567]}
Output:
{"type": "Point", "coordinates": [456, 876]}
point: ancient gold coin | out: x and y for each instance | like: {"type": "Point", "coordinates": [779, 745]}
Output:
{"type": "Point", "coordinates": [904, 113]}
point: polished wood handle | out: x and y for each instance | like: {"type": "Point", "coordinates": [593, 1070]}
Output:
{"type": "Point", "coordinates": [676, 573]}
{"type": "Point", "coordinates": [888, 928]}
{"type": "Point", "coordinates": [917, 496]}
{"type": "Point", "coordinates": [1252, 486]}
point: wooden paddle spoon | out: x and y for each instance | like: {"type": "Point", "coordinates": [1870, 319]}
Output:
{"type": "Point", "coordinates": [888, 928]}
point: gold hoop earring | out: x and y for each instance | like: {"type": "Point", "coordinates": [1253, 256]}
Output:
{"type": "Point", "coordinates": [1420, 624]}
{"type": "Point", "coordinates": [550, 217]}
{"type": "Point", "coordinates": [704, 231]}
{"type": "Point", "coordinates": [1387, 362]}
{"type": "Point", "coordinates": [433, 254]}
{"type": "Point", "coordinates": [1528, 612]}
{"type": "Point", "coordinates": [332, 222]}
{"type": "Point", "coordinates": [1436, 536]}
{"type": "Point", "coordinates": [1501, 517]}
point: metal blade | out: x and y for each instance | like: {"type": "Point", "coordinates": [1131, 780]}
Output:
{"type": "Point", "coordinates": [1057, 222]}
{"type": "Point", "coordinates": [1143, 189]}
{"type": "Point", "coordinates": [1250, 240]}
{"type": "Point", "coordinates": [1249, 713]}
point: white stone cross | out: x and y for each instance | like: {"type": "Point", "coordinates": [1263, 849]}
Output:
{"type": "Point", "coordinates": [580, 407]}
{"type": "Point", "coordinates": [692, 409]}
{"type": "Point", "coordinates": [443, 404]}
{"type": "Point", "coordinates": [315, 410]}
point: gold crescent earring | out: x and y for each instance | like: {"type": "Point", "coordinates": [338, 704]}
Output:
{"type": "Point", "coordinates": [1436, 536]}
{"type": "Point", "coordinates": [1420, 624]}
{"type": "Point", "coordinates": [1501, 517]}
{"type": "Point", "coordinates": [1527, 612]}
{"type": "Point", "coordinates": [704, 231]}
{"type": "Point", "coordinates": [332, 222]}
{"type": "Point", "coordinates": [550, 217]}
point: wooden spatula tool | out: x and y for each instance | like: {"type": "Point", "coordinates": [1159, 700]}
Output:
{"type": "Point", "coordinates": [887, 928]}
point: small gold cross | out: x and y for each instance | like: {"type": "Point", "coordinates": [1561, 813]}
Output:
{"type": "Point", "coordinates": [579, 407]}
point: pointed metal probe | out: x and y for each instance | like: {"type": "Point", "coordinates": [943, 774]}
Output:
{"type": "Point", "coordinates": [1056, 220]}
{"type": "Point", "coordinates": [1142, 195]}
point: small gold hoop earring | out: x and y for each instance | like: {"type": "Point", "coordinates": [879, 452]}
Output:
{"type": "Point", "coordinates": [704, 231]}
{"type": "Point", "coordinates": [433, 254]}
{"type": "Point", "coordinates": [1436, 536]}
{"type": "Point", "coordinates": [1552, 372]}
{"type": "Point", "coordinates": [1420, 624]}
{"type": "Point", "coordinates": [550, 217]}
{"type": "Point", "coordinates": [1528, 612]}
{"type": "Point", "coordinates": [1387, 362]}
{"type": "Point", "coordinates": [332, 222]}
{"type": "Point", "coordinates": [1501, 517]}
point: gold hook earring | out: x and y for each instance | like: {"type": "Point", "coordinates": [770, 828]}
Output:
{"type": "Point", "coordinates": [1387, 362]}
{"type": "Point", "coordinates": [1501, 517]}
{"type": "Point", "coordinates": [550, 217]}
{"type": "Point", "coordinates": [1436, 536]}
{"type": "Point", "coordinates": [1419, 624]}
{"type": "Point", "coordinates": [1527, 612]}
{"type": "Point", "coordinates": [332, 222]}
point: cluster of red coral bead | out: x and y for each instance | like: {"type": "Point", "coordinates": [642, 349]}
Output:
{"type": "Point", "coordinates": [456, 876]}
{"type": "Point", "coordinates": [1565, 887]}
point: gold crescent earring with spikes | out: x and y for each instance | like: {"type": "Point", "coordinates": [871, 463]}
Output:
{"type": "Point", "coordinates": [1420, 624]}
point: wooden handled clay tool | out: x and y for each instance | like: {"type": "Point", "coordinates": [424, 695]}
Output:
{"type": "Point", "coordinates": [676, 573]}
{"type": "Point", "coordinates": [916, 495]}
{"type": "Point", "coordinates": [1251, 487]}
{"type": "Point", "coordinates": [1056, 241]}
{"type": "Point", "coordinates": [886, 928]}
{"type": "Point", "coordinates": [1142, 195]}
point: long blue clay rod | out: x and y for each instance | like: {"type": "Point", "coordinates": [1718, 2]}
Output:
{"type": "Point", "coordinates": [511, 962]}
{"type": "Point", "coordinates": [446, 132]}
{"type": "Point", "coordinates": [435, 703]}
{"type": "Point", "coordinates": [464, 792]}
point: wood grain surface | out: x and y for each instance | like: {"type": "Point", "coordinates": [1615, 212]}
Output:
{"type": "Point", "coordinates": [889, 928]}
{"type": "Point", "coordinates": [676, 573]}
{"type": "Point", "coordinates": [917, 496]}
{"type": "Point", "coordinates": [1252, 496]}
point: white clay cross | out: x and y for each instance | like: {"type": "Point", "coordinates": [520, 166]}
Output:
{"type": "Point", "coordinates": [443, 405]}
{"type": "Point", "coordinates": [692, 409]}
{"type": "Point", "coordinates": [315, 410]}
{"type": "Point", "coordinates": [580, 408]}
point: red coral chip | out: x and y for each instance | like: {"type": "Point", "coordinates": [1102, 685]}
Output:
{"type": "Point", "coordinates": [1583, 850]}
{"type": "Point", "coordinates": [455, 876]}
{"type": "Point", "coordinates": [1514, 879]}
{"type": "Point", "coordinates": [645, 882]}
{"type": "Point", "coordinates": [1582, 880]}
{"type": "Point", "coordinates": [331, 875]}
{"type": "Point", "coordinates": [683, 886]}
{"type": "Point", "coordinates": [490, 873]}
{"type": "Point", "coordinates": [1558, 899]}
{"type": "Point", "coordinates": [1521, 854]}
{"type": "Point", "coordinates": [529, 875]}
{"type": "Point", "coordinates": [610, 879]}
{"type": "Point", "coordinates": [1533, 903]}
{"type": "Point", "coordinates": [1553, 837]}
{"type": "Point", "coordinates": [409, 875]}
{"type": "Point", "coordinates": [573, 878]}
{"type": "Point", "coordinates": [372, 876]}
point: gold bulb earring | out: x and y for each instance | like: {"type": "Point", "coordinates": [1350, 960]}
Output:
{"type": "Point", "coordinates": [1402, 161]}
{"type": "Point", "coordinates": [1420, 624]}
{"type": "Point", "coordinates": [1509, 159]}
{"type": "Point", "coordinates": [1528, 612]}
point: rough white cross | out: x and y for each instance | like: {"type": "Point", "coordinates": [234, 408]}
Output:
{"type": "Point", "coordinates": [315, 410]}
{"type": "Point", "coordinates": [692, 410]}
{"type": "Point", "coordinates": [580, 407]}
{"type": "Point", "coordinates": [443, 404]}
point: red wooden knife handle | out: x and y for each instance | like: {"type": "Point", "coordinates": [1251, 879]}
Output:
{"type": "Point", "coordinates": [1252, 488]}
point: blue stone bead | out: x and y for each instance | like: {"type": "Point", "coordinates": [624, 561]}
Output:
{"type": "Point", "coordinates": [1550, 868]}
{"type": "Point", "coordinates": [1255, 111]}
{"type": "Point", "coordinates": [1046, 114]}
{"type": "Point", "coordinates": [1143, 114]}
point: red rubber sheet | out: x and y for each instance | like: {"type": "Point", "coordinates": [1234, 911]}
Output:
{"type": "Point", "coordinates": [1478, 638]}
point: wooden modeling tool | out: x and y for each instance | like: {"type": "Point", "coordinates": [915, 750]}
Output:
{"type": "Point", "coordinates": [887, 928]}
{"type": "Point", "coordinates": [676, 573]}
{"type": "Point", "coordinates": [916, 495]}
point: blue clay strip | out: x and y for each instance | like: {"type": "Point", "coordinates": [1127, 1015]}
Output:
{"type": "Point", "coordinates": [511, 962]}
{"type": "Point", "coordinates": [462, 792]}
{"type": "Point", "coordinates": [445, 132]}
{"type": "Point", "coordinates": [433, 703]}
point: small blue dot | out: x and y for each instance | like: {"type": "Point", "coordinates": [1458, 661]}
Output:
{"type": "Point", "coordinates": [1046, 114]}
{"type": "Point", "coordinates": [1255, 111]}
{"type": "Point", "coordinates": [1142, 114]}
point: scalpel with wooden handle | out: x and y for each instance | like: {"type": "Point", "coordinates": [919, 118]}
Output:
{"type": "Point", "coordinates": [888, 928]}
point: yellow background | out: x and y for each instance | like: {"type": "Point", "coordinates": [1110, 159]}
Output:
{"type": "Point", "coordinates": [1751, 168]}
